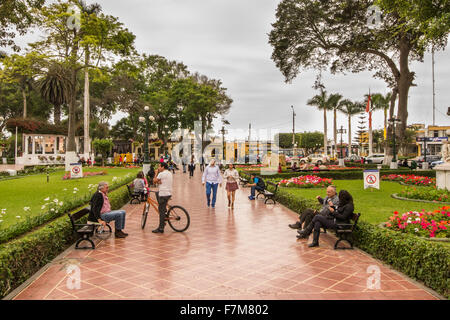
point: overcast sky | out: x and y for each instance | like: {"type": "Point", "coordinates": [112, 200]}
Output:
{"type": "Point", "coordinates": [228, 40]}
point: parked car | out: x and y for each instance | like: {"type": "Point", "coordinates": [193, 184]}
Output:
{"type": "Point", "coordinates": [353, 157]}
{"type": "Point", "coordinates": [315, 158]}
{"type": "Point", "coordinates": [431, 158]}
{"type": "Point", "coordinates": [435, 163]}
{"type": "Point", "coordinates": [375, 158]}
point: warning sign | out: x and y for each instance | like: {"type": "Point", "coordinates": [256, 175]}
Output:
{"type": "Point", "coordinates": [76, 170]}
{"type": "Point", "coordinates": [371, 179]}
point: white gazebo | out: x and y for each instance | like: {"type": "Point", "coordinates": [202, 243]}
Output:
{"type": "Point", "coordinates": [44, 149]}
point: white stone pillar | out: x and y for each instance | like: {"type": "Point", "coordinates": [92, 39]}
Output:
{"type": "Point", "coordinates": [443, 176]}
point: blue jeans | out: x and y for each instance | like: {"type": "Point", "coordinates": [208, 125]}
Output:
{"type": "Point", "coordinates": [255, 188]}
{"type": "Point", "coordinates": [117, 215]}
{"type": "Point", "coordinates": [214, 186]}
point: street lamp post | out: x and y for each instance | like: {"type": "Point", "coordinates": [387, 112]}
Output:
{"type": "Point", "coordinates": [341, 158]}
{"type": "Point", "coordinates": [146, 166]}
{"type": "Point", "coordinates": [393, 122]}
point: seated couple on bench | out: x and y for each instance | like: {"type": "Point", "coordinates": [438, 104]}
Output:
{"type": "Point", "coordinates": [335, 210]}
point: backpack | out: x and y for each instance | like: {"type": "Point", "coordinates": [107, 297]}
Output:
{"type": "Point", "coordinates": [261, 183]}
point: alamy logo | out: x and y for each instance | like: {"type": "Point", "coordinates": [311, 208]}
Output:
{"type": "Point", "coordinates": [374, 20]}
{"type": "Point", "coordinates": [374, 280]}
{"type": "Point", "coordinates": [74, 21]}
{"type": "Point", "coordinates": [73, 277]}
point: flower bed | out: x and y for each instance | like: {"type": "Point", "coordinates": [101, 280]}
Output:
{"type": "Point", "coordinates": [306, 182]}
{"type": "Point", "coordinates": [430, 194]}
{"type": "Point", "coordinates": [425, 224]}
{"type": "Point", "coordinates": [87, 174]}
{"type": "Point", "coordinates": [410, 179]}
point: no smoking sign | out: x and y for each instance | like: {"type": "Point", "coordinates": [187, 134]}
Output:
{"type": "Point", "coordinates": [76, 171]}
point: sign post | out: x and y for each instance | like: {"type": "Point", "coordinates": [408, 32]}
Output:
{"type": "Point", "coordinates": [76, 170]}
{"type": "Point", "coordinates": [372, 179]}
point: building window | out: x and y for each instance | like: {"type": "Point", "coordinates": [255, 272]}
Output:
{"type": "Point", "coordinates": [61, 145]}
{"type": "Point", "coordinates": [38, 144]}
{"type": "Point", "coordinates": [436, 133]}
{"type": "Point", "coordinates": [49, 145]}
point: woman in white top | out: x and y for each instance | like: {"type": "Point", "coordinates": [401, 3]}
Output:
{"type": "Point", "coordinates": [231, 175]}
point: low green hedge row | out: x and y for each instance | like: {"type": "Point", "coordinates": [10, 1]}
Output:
{"type": "Point", "coordinates": [23, 257]}
{"type": "Point", "coordinates": [422, 260]}
{"type": "Point", "coordinates": [339, 174]}
{"type": "Point", "coordinates": [426, 261]}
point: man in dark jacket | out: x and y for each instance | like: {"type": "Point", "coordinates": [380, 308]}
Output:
{"type": "Point", "coordinates": [338, 215]}
{"type": "Point", "coordinates": [101, 211]}
{"type": "Point", "coordinates": [307, 215]}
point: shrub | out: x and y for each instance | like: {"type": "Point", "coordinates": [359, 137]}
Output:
{"type": "Point", "coordinates": [426, 193]}
{"type": "Point", "coordinates": [22, 257]}
{"type": "Point", "coordinates": [410, 179]}
{"type": "Point", "coordinates": [420, 259]}
{"type": "Point", "coordinates": [306, 182]}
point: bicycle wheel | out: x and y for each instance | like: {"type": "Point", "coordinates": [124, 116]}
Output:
{"type": "Point", "coordinates": [144, 215]}
{"type": "Point", "coordinates": [178, 218]}
{"type": "Point", "coordinates": [103, 232]}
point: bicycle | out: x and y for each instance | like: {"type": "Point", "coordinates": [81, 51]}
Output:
{"type": "Point", "coordinates": [177, 216]}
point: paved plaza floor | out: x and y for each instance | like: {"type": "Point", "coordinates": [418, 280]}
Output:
{"type": "Point", "coordinates": [245, 253]}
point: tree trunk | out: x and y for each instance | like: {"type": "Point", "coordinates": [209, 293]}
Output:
{"type": "Point", "coordinates": [325, 140]}
{"type": "Point", "coordinates": [389, 152]}
{"type": "Point", "coordinates": [57, 114]}
{"type": "Point", "coordinates": [404, 83]}
{"type": "Point", "coordinates": [86, 106]}
{"type": "Point", "coordinates": [335, 133]}
{"type": "Point", "coordinates": [349, 134]}
{"type": "Point", "coordinates": [72, 123]}
{"type": "Point", "coordinates": [24, 96]}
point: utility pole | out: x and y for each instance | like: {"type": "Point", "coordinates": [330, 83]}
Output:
{"type": "Point", "coordinates": [434, 92]}
{"type": "Point", "coordinates": [293, 125]}
{"type": "Point", "coordinates": [223, 132]}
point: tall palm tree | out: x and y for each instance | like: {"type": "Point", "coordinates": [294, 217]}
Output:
{"type": "Point", "coordinates": [334, 104]}
{"type": "Point", "coordinates": [321, 102]}
{"type": "Point", "coordinates": [54, 88]}
{"type": "Point", "coordinates": [382, 102]}
{"type": "Point", "coordinates": [350, 109]}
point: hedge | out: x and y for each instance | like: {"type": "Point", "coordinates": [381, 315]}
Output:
{"type": "Point", "coordinates": [420, 259]}
{"type": "Point", "coordinates": [339, 174]}
{"type": "Point", "coordinates": [23, 257]}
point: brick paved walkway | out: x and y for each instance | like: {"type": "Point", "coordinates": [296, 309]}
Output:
{"type": "Point", "coordinates": [248, 253]}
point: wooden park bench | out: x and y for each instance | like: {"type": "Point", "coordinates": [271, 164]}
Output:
{"type": "Point", "coordinates": [268, 195]}
{"type": "Point", "coordinates": [135, 196]}
{"type": "Point", "coordinates": [345, 231]}
{"type": "Point", "coordinates": [86, 230]}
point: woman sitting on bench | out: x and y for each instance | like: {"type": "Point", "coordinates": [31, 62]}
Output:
{"type": "Point", "coordinates": [140, 185]}
{"type": "Point", "coordinates": [341, 214]}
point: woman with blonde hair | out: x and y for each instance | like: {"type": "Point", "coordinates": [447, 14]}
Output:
{"type": "Point", "coordinates": [231, 176]}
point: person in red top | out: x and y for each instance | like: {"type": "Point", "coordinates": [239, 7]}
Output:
{"type": "Point", "coordinates": [279, 169]}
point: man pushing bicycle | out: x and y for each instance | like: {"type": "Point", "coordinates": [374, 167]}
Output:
{"type": "Point", "coordinates": [164, 179]}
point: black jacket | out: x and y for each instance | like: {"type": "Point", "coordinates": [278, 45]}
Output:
{"type": "Point", "coordinates": [343, 214]}
{"type": "Point", "coordinates": [96, 207]}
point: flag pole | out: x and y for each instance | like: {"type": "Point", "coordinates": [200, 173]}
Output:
{"type": "Point", "coordinates": [369, 107]}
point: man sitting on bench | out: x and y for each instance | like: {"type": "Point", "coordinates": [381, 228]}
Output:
{"type": "Point", "coordinates": [258, 184]}
{"type": "Point", "coordinates": [101, 211]}
{"type": "Point", "coordinates": [307, 215]}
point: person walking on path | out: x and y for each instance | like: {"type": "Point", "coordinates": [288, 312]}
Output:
{"type": "Point", "coordinates": [231, 176]}
{"type": "Point", "coordinates": [212, 178]}
{"type": "Point", "coordinates": [165, 181]}
{"type": "Point", "coordinates": [191, 167]}
{"type": "Point", "coordinates": [101, 211]}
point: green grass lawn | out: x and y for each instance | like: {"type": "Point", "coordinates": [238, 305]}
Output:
{"type": "Point", "coordinates": [376, 206]}
{"type": "Point", "coordinates": [31, 191]}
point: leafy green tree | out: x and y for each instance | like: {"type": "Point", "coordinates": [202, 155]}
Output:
{"type": "Point", "coordinates": [123, 130]}
{"type": "Point", "coordinates": [65, 43]}
{"type": "Point", "coordinates": [311, 141]}
{"type": "Point", "coordinates": [103, 146]}
{"type": "Point", "coordinates": [16, 16]}
{"type": "Point", "coordinates": [336, 34]}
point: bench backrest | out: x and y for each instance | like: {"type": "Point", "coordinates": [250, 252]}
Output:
{"type": "Point", "coordinates": [78, 215]}
{"type": "Point", "coordinates": [273, 185]}
{"type": "Point", "coordinates": [355, 219]}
